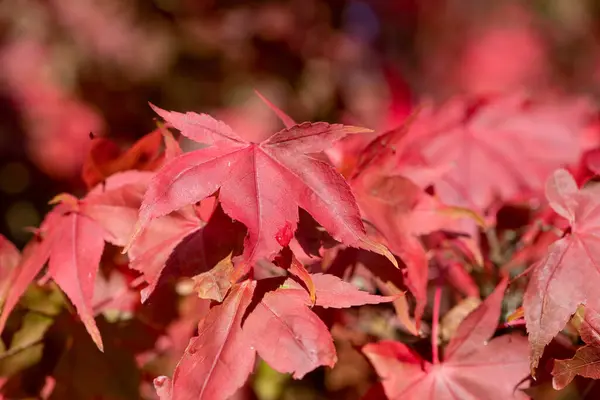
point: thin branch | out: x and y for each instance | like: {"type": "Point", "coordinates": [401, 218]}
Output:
{"type": "Point", "coordinates": [494, 244]}
{"type": "Point", "coordinates": [435, 324]}
{"type": "Point", "coordinates": [18, 349]}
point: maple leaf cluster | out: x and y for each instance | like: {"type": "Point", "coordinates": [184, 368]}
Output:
{"type": "Point", "coordinates": [264, 244]}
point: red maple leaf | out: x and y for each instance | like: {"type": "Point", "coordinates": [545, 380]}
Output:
{"type": "Point", "coordinates": [150, 253]}
{"type": "Point", "coordinates": [260, 184]}
{"type": "Point", "coordinates": [259, 317]}
{"type": "Point", "coordinates": [569, 274]}
{"type": "Point", "coordinates": [474, 367]}
{"type": "Point", "coordinates": [182, 245]}
{"type": "Point", "coordinates": [586, 361]}
{"type": "Point", "coordinates": [332, 292]}
{"type": "Point", "coordinates": [71, 239]}
{"type": "Point", "coordinates": [218, 361]}
{"type": "Point", "coordinates": [106, 158]}
{"type": "Point", "coordinates": [288, 335]}
{"type": "Point", "coordinates": [483, 147]}
{"type": "Point", "coordinates": [10, 257]}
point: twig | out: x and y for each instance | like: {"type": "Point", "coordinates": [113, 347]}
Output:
{"type": "Point", "coordinates": [494, 243]}
{"type": "Point", "coordinates": [435, 324]}
{"type": "Point", "coordinates": [18, 349]}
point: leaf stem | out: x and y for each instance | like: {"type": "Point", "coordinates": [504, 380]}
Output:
{"type": "Point", "coordinates": [435, 324]}
{"type": "Point", "coordinates": [495, 248]}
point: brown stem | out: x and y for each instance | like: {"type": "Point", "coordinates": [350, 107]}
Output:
{"type": "Point", "coordinates": [435, 324]}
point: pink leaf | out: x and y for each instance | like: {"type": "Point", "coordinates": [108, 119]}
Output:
{"type": "Point", "coordinates": [218, 361]}
{"type": "Point", "coordinates": [478, 326]}
{"type": "Point", "coordinates": [288, 335]}
{"type": "Point", "coordinates": [116, 209]}
{"type": "Point", "coordinates": [560, 191]}
{"type": "Point", "coordinates": [472, 369]}
{"type": "Point", "coordinates": [569, 274]}
{"type": "Point", "coordinates": [34, 257]}
{"type": "Point", "coordinates": [74, 264]}
{"type": "Point", "coordinates": [9, 260]}
{"type": "Point", "coordinates": [586, 361]}
{"type": "Point", "coordinates": [332, 292]}
{"type": "Point", "coordinates": [199, 127]}
{"type": "Point", "coordinates": [262, 185]}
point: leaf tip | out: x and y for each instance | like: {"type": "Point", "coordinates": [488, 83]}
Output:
{"type": "Point", "coordinates": [286, 119]}
{"type": "Point", "coordinates": [379, 249]}
{"type": "Point", "coordinates": [462, 212]}
{"type": "Point", "coordinates": [64, 198]}
{"type": "Point", "coordinates": [162, 113]}
{"type": "Point", "coordinates": [357, 129]}
{"type": "Point", "coordinates": [92, 328]}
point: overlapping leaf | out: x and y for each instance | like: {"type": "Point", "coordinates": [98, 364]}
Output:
{"type": "Point", "coordinates": [484, 144]}
{"type": "Point", "coordinates": [569, 274]}
{"type": "Point", "coordinates": [401, 211]}
{"type": "Point", "coordinates": [218, 361]}
{"type": "Point", "coordinates": [9, 260]}
{"type": "Point", "coordinates": [275, 322]}
{"type": "Point", "coordinates": [474, 367]}
{"type": "Point", "coordinates": [260, 184]}
{"type": "Point", "coordinates": [182, 245]}
{"type": "Point", "coordinates": [332, 292]}
{"type": "Point", "coordinates": [288, 335]}
{"type": "Point", "coordinates": [586, 361]}
{"type": "Point", "coordinates": [105, 158]}
{"type": "Point", "coordinates": [71, 239]}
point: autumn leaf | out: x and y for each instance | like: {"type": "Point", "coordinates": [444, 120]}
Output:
{"type": "Point", "coordinates": [152, 251]}
{"type": "Point", "coordinates": [73, 247]}
{"type": "Point", "coordinates": [260, 184]}
{"type": "Point", "coordinates": [9, 260]}
{"type": "Point", "coordinates": [288, 260]}
{"type": "Point", "coordinates": [71, 240]}
{"type": "Point", "coordinates": [288, 335]}
{"type": "Point", "coordinates": [114, 207]}
{"type": "Point", "coordinates": [35, 255]}
{"type": "Point", "coordinates": [402, 211]}
{"type": "Point", "coordinates": [474, 367]}
{"type": "Point", "coordinates": [483, 146]}
{"type": "Point", "coordinates": [569, 274]}
{"type": "Point", "coordinates": [215, 284]}
{"type": "Point", "coordinates": [332, 292]}
{"type": "Point", "coordinates": [218, 361]}
{"type": "Point", "coordinates": [106, 158]}
{"type": "Point", "coordinates": [73, 264]}
{"type": "Point", "coordinates": [181, 245]}
{"type": "Point", "coordinates": [586, 361]}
